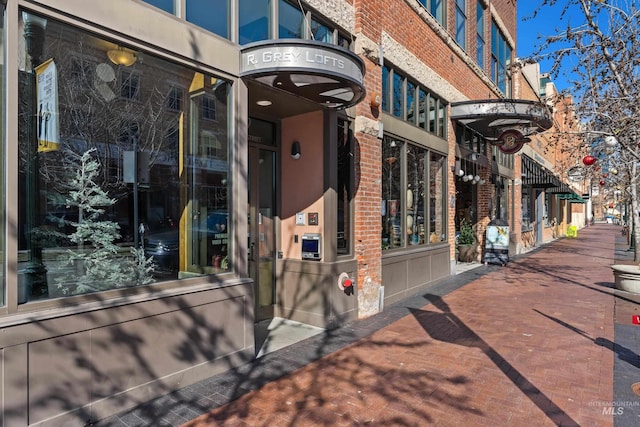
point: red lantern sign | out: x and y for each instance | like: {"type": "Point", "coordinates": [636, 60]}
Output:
{"type": "Point", "coordinates": [602, 183]}
{"type": "Point", "coordinates": [588, 160]}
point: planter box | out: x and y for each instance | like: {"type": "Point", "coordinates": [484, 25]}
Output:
{"type": "Point", "coordinates": [627, 277]}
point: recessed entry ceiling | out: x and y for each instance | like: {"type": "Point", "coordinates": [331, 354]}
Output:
{"type": "Point", "coordinates": [275, 103]}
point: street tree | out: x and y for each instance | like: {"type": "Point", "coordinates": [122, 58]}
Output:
{"type": "Point", "coordinates": [598, 51]}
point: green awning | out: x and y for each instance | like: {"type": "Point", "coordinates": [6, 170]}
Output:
{"type": "Point", "coordinates": [571, 198]}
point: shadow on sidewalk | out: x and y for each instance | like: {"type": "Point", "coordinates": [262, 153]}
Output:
{"type": "Point", "coordinates": [621, 351]}
{"type": "Point", "coordinates": [447, 327]}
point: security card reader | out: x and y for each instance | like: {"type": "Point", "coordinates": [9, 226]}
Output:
{"type": "Point", "coordinates": [311, 246]}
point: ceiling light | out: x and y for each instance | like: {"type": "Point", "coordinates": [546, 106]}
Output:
{"type": "Point", "coordinates": [120, 56]}
{"type": "Point", "coordinates": [264, 103]}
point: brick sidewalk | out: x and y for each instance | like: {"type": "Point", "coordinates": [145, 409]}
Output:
{"type": "Point", "coordinates": [527, 344]}
{"type": "Point", "coordinates": [530, 344]}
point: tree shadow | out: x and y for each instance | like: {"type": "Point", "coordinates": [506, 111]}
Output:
{"type": "Point", "coordinates": [447, 327]}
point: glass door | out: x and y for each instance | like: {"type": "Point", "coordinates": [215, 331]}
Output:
{"type": "Point", "coordinates": [262, 247]}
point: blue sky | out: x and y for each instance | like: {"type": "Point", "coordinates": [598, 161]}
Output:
{"type": "Point", "coordinates": [546, 23]}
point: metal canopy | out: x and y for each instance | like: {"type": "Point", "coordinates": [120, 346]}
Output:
{"type": "Point", "coordinates": [491, 117]}
{"type": "Point", "coordinates": [326, 74]}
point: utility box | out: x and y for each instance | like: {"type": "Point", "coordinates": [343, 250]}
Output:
{"type": "Point", "coordinates": [497, 242]}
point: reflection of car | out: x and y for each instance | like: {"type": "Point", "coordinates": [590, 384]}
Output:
{"type": "Point", "coordinates": [163, 245]}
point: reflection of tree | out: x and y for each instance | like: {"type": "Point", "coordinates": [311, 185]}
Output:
{"type": "Point", "coordinates": [110, 109]}
{"type": "Point", "coordinates": [95, 255]}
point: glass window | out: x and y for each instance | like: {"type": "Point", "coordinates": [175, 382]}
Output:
{"type": "Point", "coordinates": [321, 32]}
{"type": "Point", "coordinates": [174, 99]}
{"type": "Point", "coordinates": [415, 197]}
{"type": "Point", "coordinates": [103, 202]}
{"type": "Point", "coordinates": [253, 20]}
{"type": "Point", "coordinates": [166, 5]}
{"type": "Point", "coordinates": [527, 225]}
{"type": "Point", "coordinates": [392, 223]}
{"type": "Point", "coordinates": [398, 95]}
{"type": "Point", "coordinates": [461, 23]}
{"type": "Point", "coordinates": [129, 84]}
{"type": "Point", "coordinates": [422, 108]}
{"type": "Point", "coordinates": [212, 15]}
{"type": "Point", "coordinates": [345, 191]}
{"type": "Point", "coordinates": [442, 119]}
{"type": "Point", "coordinates": [480, 34]}
{"type": "Point", "coordinates": [437, 198]}
{"type": "Point", "coordinates": [432, 114]}
{"type": "Point", "coordinates": [435, 8]}
{"type": "Point", "coordinates": [2, 154]}
{"type": "Point", "coordinates": [386, 88]}
{"type": "Point", "coordinates": [411, 102]}
{"type": "Point", "coordinates": [500, 60]}
{"type": "Point", "coordinates": [290, 21]}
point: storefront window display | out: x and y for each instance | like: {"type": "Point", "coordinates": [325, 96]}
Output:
{"type": "Point", "coordinates": [123, 166]}
{"type": "Point", "coordinates": [392, 223]}
{"type": "Point", "coordinates": [413, 204]}
{"type": "Point", "coordinates": [437, 198]}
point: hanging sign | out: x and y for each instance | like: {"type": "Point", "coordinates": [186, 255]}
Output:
{"type": "Point", "coordinates": [47, 108]}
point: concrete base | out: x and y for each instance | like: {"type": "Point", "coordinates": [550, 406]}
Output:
{"type": "Point", "coordinates": [627, 277]}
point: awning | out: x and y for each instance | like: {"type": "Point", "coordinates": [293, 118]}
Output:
{"type": "Point", "coordinates": [324, 73]}
{"type": "Point", "coordinates": [492, 117]}
{"type": "Point", "coordinates": [571, 198]}
{"type": "Point", "coordinates": [537, 176]}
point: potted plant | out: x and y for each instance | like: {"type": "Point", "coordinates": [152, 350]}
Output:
{"type": "Point", "coordinates": [466, 242]}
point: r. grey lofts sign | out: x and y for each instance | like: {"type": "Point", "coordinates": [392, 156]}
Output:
{"type": "Point", "coordinates": [298, 66]}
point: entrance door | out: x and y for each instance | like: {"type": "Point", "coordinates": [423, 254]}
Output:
{"type": "Point", "coordinates": [262, 245]}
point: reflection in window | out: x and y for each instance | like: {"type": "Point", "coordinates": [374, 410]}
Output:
{"type": "Point", "coordinates": [166, 5]}
{"type": "Point", "coordinates": [461, 23]}
{"type": "Point", "coordinates": [345, 168]}
{"type": "Point", "coordinates": [139, 226]}
{"type": "Point", "coordinates": [386, 87]}
{"type": "Point", "coordinates": [411, 102]}
{"type": "Point", "coordinates": [212, 15]}
{"type": "Point", "coordinates": [253, 20]}
{"type": "Point", "coordinates": [130, 84]}
{"type": "Point", "coordinates": [435, 8]}
{"type": "Point", "coordinates": [422, 115]}
{"type": "Point", "coordinates": [290, 21]}
{"type": "Point", "coordinates": [2, 155]}
{"type": "Point", "coordinates": [392, 223]}
{"type": "Point", "coordinates": [398, 96]}
{"type": "Point", "coordinates": [415, 197]}
{"type": "Point", "coordinates": [480, 34]}
{"type": "Point", "coordinates": [437, 198]}
{"type": "Point", "coordinates": [321, 32]}
{"type": "Point", "coordinates": [500, 60]}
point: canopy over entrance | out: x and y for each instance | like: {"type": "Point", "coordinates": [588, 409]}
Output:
{"type": "Point", "coordinates": [492, 117]}
{"type": "Point", "coordinates": [325, 74]}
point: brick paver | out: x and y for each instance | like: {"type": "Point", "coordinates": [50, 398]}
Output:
{"type": "Point", "coordinates": [530, 344]}
{"type": "Point", "coordinates": [544, 341]}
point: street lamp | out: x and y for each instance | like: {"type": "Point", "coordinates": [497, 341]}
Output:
{"type": "Point", "coordinates": [35, 271]}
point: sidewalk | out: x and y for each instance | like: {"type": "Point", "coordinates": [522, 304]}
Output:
{"type": "Point", "coordinates": [531, 343]}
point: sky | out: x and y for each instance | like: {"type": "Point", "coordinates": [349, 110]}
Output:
{"type": "Point", "coordinates": [546, 23]}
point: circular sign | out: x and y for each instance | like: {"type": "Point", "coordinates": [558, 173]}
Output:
{"type": "Point", "coordinates": [512, 141]}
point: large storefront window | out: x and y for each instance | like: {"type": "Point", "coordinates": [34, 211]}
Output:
{"type": "Point", "coordinates": [3, 103]}
{"type": "Point", "coordinates": [413, 195]}
{"type": "Point", "coordinates": [392, 223]}
{"type": "Point", "coordinates": [437, 198]}
{"type": "Point", "coordinates": [123, 166]}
